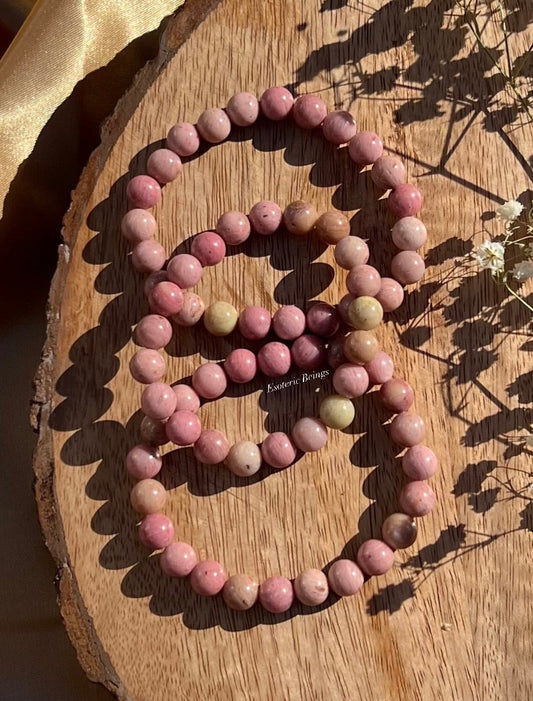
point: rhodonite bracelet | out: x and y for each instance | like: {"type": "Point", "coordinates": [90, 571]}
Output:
{"type": "Point", "coordinates": [321, 339]}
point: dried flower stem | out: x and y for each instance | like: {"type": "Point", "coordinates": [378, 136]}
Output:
{"type": "Point", "coordinates": [517, 296]}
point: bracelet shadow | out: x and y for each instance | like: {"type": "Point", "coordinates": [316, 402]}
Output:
{"type": "Point", "coordinates": [95, 362]}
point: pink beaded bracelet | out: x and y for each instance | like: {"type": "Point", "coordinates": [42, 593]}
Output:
{"type": "Point", "coordinates": [171, 411]}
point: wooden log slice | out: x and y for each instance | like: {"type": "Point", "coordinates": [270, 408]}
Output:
{"type": "Point", "coordinates": [438, 626]}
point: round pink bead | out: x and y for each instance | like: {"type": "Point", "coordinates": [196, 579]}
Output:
{"type": "Point", "coordinates": [164, 165]}
{"type": "Point", "coordinates": [234, 227]}
{"type": "Point", "coordinates": [184, 270]}
{"type": "Point", "coordinates": [288, 322]}
{"type": "Point", "coordinates": [343, 307]}
{"type": "Point", "coordinates": [152, 280]}
{"type": "Point", "coordinates": [178, 559]}
{"type": "Point", "coordinates": [409, 234]}
{"type": "Point", "coordinates": [209, 381]}
{"type": "Point", "coordinates": [158, 401]}
{"type": "Point", "coordinates": [380, 369]}
{"type": "Point", "coordinates": [345, 578]}
{"type": "Point", "coordinates": [390, 294]}
{"type": "Point", "coordinates": [407, 267]}
{"type": "Point", "coordinates": [183, 139]}
{"type": "Point", "coordinates": [323, 319]}
{"type": "Point", "coordinates": [365, 148]}
{"type": "Point", "coordinates": [397, 395]}
{"type": "Point", "coordinates": [309, 434]}
{"type": "Point", "coordinates": [153, 331]}
{"type": "Point", "coordinates": [208, 247]}
{"type": "Point", "coordinates": [375, 557]}
{"type": "Point", "coordinates": [335, 352]}
{"type": "Point", "coordinates": [276, 594]}
{"type": "Point", "coordinates": [243, 109]}
{"type": "Point", "coordinates": [278, 450]}
{"type": "Point", "coordinates": [254, 323]}
{"type": "Point", "coordinates": [276, 103]}
{"type": "Point", "coordinates": [339, 127]}
{"type": "Point", "coordinates": [212, 447]}
{"type": "Point", "coordinates": [138, 225]}
{"type": "Point", "coordinates": [241, 365]}
{"type": "Point", "coordinates": [143, 462]}
{"type": "Point", "coordinates": [309, 111]}
{"type": "Point", "coordinates": [407, 429]}
{"type": "Point", "coordinates": [148, 256]}
{"type": "Point", "coordinates": [350, 380]}
{"type": "Point", "coordinates": [265, 217]}
{"type": "Point", "coordinates": [186, 398]}
{"type": "Point", "coordinates": [143, 191]}
{"type": "Point", "coordinates": [207, 578]}
{"type": "Point", "coordinates": [192, 310]}
{"type": "Point", "coordinates": [419, 462]}
{"type": "Point", "coordinates": [388, 172]}
{"type": "Point", "coordinates": [156, 531]}
{"type": "Point", "coordinates": [363, 280]}
{"type": "Point", "coordinates": [166, 298]}
{"type": "Point", "coordinates": [183, 428]}
{"type": "Point", "coordinates": [147, 366]}
{"type": "Point", "coordinates": [417, 498]}
{"type": "Point", "coordinates": [351, 251]}
{"type": "Point", "coordinates": [308, 352]}
{"type": "Point", "coordinates": [311, 587]}
{"type": "Point", "coordinates": [153, 431]}
{"type": "Point", "coordinates": [274, 359]}
{"type": "Point", "coordinates": [213, 125]}
{"type": "Point", "coordinates": [405, 200]}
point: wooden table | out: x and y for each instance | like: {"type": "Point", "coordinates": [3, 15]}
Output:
{"type": "Point", "coordinates": [452, 619]}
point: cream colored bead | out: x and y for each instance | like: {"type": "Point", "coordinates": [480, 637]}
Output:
{"type": "Point", "coordinates": [365, 313]}
{"type": "Point", "coordinates": [148, 496]}
{"type": "Point", "coordinates": [220, 318]}
{"type": "Point", "coordinates": [244, 458]}
{"type": "Point", "coordinates": [337, 411]}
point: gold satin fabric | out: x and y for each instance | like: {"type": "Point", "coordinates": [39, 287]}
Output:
{"type": "Point", "coordinates": [61, 42]}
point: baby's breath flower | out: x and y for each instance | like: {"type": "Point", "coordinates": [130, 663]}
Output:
{"type": "Point", "coordinates": [490, 256]}
{"type": "Point", "coordinates": [523, 271]}
{"type": "Point", "coordinates": [509, 211]}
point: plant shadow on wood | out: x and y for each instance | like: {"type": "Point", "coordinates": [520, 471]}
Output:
{"type": "Point", "coordinates": [440, 69]}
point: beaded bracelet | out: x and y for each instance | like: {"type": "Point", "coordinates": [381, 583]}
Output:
{"type": "Point", "coordinates": [356, 358]}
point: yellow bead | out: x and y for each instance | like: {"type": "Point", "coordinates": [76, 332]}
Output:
{"type": "Point", "coordinates": [220, 318]}
{"type": "Point", "coordinates": [365, 313]}
{"type": "Point", "coordinates": [337, 411]}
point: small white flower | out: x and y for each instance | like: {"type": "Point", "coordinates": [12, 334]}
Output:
{"type": "Point", "coordinates": [490, 255]}
{"type": "Point", "coordinates": [509, 211]}
{"type": "Point", "coordinates": [523, 271]}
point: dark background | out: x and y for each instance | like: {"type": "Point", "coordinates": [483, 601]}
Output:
{"type": "Point", "coordinates": [37, 661]}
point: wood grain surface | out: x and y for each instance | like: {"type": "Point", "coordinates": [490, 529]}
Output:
{"type": "Point", "coordinates": [452, 620]}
